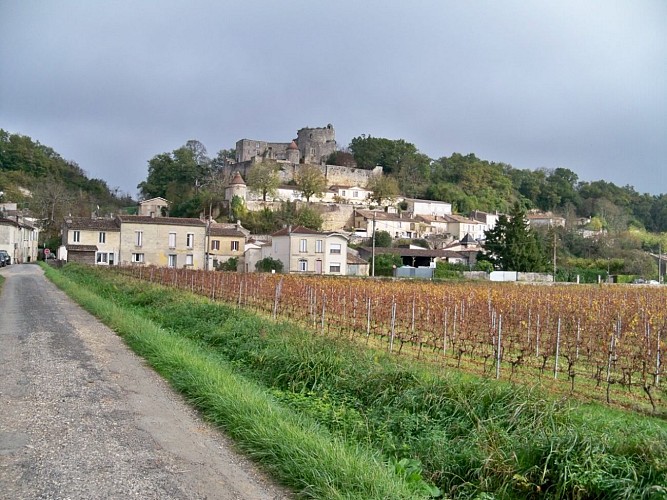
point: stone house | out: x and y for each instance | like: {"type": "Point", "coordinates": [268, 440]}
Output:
{"type": "Point", "coordinates": [459, 226]}
{"type": "Point", "coordinates": [155, 207]}
{"type": "Point", "coordinates": [536, 218]}
{"type": "Point", "coordinates": [226, 241]}
{"type": "Point", "coordinates": [397, 225]}
{"type": "Point", "coordinates": [90, 241]}
{"type": "Point", "coordinates": [162, 241]}
{"type": "Point", "coordinates": [355, 195]}
{"type": "Point", "coordinates": [19, 239]}
{"type": "Point", "coordinates": [427, 207]}
{"type": "Point", "coordinates": [305, 251]}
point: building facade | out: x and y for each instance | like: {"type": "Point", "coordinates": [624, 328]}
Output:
{"type": "Point", "coordinates": [305, 251]}
{"type": "Point", "coordinates": [162, 241]}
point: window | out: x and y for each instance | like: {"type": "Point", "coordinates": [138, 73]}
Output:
{"type": "Point", "coordinates": [355, 194]}
{"type": "Point", "coordinates": [172, 240]}
{"type": "Point", "coordinates": [235, 246]}
{"type": "Point", "coordinates": [172, 261]}
{"type": "Point", "coordinates": [303, 245]}
{"type": "Point", "coordinates": [318, 246]}
{"type": "Point", "coordinates": [104, 258]}
{"type": "Point", "coordinates": [334, 267]}
{"type": "Point", "coordinates": [335, 248]}
{"type": "Point", "coordinates": [102, 238]}
{"type": "Point", "coordinates": [190, 240]}
{"type": "Point", "coordinates": [189, 259]}
{"type": "Point", "coordinates": [76, 236]}
{"type": "Point", "coordinates": [215, 245]}
{"type": "Point", "coordinates": [342, 193]}
{"type": "Point", "coordinates": [303, 265]}
{"type": "Point", "coordinates": [138, 238]}
{"type": "Point", "coordinates": [138, 257]}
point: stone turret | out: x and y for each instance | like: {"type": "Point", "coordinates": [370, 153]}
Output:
{"type": "Point", "coordinates": [236, 187]}
{"type": "Point", "coordinates": [293, 154]}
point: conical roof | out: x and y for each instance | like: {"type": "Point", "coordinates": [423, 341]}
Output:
{"type": "Point", "coordinates": [237, 179]}
{"type": "Point", "coordinates": [293, 145]}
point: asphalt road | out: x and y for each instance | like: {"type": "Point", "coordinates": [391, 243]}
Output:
{"type": "Point", "coordinates": [82, 417]}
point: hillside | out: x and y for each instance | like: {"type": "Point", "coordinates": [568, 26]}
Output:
{"type": "Point", "coordinates": [38, 179]}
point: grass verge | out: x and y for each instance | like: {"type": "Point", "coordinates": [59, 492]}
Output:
{"type": "Point", "coordinates": [472, 437]}
{"type": "Point", "coordinates": [294, 448]}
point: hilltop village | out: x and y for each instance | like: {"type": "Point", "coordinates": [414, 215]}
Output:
{"type": "Point", "coordinates": [346, 201]}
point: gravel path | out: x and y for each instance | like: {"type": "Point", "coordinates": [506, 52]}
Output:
{"type": "Point", "coordinates": [82, 417]}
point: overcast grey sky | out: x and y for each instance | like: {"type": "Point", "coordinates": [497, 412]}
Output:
{"type": "Point", "coordinates": [560, 83]}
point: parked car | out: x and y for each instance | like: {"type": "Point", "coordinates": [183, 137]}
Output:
{"type": "Point", "coordinates": [5, 258]}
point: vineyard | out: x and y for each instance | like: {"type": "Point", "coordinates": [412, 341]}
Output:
{"type": "Point", "coordinates": [602, 342]}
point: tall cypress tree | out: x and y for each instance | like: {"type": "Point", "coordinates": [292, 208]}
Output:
{"type": "Point", "coordinates": [512, 245]}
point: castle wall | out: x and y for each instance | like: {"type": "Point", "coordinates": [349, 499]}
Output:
{"type": "Point", "coordinates": [336, 216]}
{"type": "Point", "coordinates": [247, 149]}
{"type": "Point", "coordinates": [349, 176]}
{"type": "Point", "coordinates": [334, 174]}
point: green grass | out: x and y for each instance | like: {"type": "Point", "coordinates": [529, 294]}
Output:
{"type": "Point", "coordinates": [469, 436]}
{"type": "Point", "coordinates": [294, 448]}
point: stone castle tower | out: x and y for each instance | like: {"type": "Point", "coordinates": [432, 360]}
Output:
{"type": "Point", "coordinates": [316, 144]}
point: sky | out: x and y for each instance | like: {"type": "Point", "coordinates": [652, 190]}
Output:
{"type": "Point", "coordinates": [547, 84]}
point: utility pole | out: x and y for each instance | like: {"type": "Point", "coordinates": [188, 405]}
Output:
{"type": "Point", "coordinates": [373, 249]}
{"type": "Point", "coordinates": [207, 240]}
{"type": "Point", "coordinates": [660, 262]}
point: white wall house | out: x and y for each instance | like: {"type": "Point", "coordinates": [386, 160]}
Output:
{"type": "Point", "coordinates": [428, 207]}
{"type": "Point", "coordinates": [305, 251]}
{"type": "Point", "coordinates": [19, 238]}
{"type": "Point", "coordinates": [397, 225]}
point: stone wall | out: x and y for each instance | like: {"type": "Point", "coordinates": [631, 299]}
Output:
{"type": "Point", "coordinates": [348, 176]}
{"type": "Point", "coordinates": [335, 175]}
{"type": "Point", "coordinates": [336, 216]}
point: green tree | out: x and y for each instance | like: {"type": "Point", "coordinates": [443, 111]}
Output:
{"type": "Point", "coordinates": [176, 175]}
{"type": "Point", "coordinates": [385, 264]}
{"type": "Point", "coordinates": [383, 239]}
{"type": "Point", "coordinates": [263, 178]}
{"type": "Point", "coordinates": [268, 264]}
{"type": "Point", "coordinates": [370, 152]}
{"type": "Point", "coordinates": [512, 246]}
{"type": "Point", "coordinates": [310, 181]}
{"type": "Point", "coordinates": [237, 209]}
{"type": "Point", "coordinates": [384, 189]}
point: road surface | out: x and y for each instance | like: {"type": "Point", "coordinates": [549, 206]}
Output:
{"type": "Point", "coordinates": [82, 417]}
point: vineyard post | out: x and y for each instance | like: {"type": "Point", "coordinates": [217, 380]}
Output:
{"type": "Point", "coordinates": [612, 345]}
{"type": "Point", "coordinates": [368, 320]}
{"type": "Point", "coordinates": [277, 298]}
{"type": "Point", "coordinates": [444, 338]}
{"type": "Point", "coordinates": [530, 343]}
{"type": "Point", "coordinates": [324, 306]}
{"type": "Point", "coordinates": [557, 349]}
{"type": "Point", "coordinates": [240, 292]}
{"type": "Point", "coordinates": [498, 356]}
{"type": "Point", "coordinates": [393, 323]}
{"type": "Point", "coordinates": [657, 360]}
{"type": "Point", "coordinates": [537, 337]}
{"type": "Point", "coordinates": [412, 328]}
{"type": "Point", "coordinates": [578, 338]}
